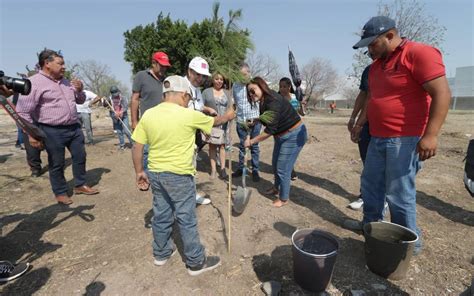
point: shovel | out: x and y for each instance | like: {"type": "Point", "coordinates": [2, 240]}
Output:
{"type": "Point", "coordinates": [242, 195]}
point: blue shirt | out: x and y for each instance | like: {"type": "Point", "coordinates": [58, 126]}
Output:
{"type": "Point", "coordinates": [294, 102]}
{"type": "Point", "coordinates": [244, 109]}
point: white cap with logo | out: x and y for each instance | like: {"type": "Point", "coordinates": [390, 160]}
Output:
{"type": "Point", "coordinates": [200, 65]}
{"type": "Point", "coordinates": [176, 83]}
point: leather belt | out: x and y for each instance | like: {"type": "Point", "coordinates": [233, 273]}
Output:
{"type": "Point", "coordinates": [289, 130]}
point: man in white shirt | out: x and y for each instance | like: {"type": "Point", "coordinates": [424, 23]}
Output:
{"type": "Point", "coordinates": [84, 114]}
{"type": "Point", "coordinates": [197, 69]}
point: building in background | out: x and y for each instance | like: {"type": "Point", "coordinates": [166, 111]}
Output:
{"type": "Point", "coordinates": [462, 89]}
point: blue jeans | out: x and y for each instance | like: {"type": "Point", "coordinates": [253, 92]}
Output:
{"type": "Point", "coordinates": [174, 197]}
{"type": "Point", "coordinates": [146, 149]}
{"type": "Point", "coordinates": [119, 127]}
{"type": "Point", "coordinates": [19, 136]}
{"type": "Point", "coordinates": [254, 149]}
{"type": "Point", "coordinates": [85, 120]}
{"type": "Point", "coordinates": [285, 151]}
{"type": "Point", "coordinates": [389, 174]}
{"type": "Point", "coordinates": [57, 139]}
{"type": "Point", "coordinates": [364, 141]}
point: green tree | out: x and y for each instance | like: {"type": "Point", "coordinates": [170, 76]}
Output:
{"type": "Point", "coordinates": [413, 22]}
{"type": "Point", "coordinates": [221, 43]}
{"type": "Point", "coordinates": [172, 37]}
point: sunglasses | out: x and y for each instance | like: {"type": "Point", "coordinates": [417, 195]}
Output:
{"type": "Point", "coordinates": [252, 91]}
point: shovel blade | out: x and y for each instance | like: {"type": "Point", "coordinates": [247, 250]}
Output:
{"type": "Point", "coordinates": [241, 199]}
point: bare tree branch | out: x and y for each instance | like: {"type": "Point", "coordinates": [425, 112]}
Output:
{"type": "Point", "coordinates": [97, 77]}
{"type": "Point", "coordinates": [413, 22]}
{"type": "Point", "coordinates": [320, 78]}
{"type": "Point", "coordinates": [265, 66]}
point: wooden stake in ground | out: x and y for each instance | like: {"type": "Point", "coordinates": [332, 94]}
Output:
{"type": "Point", "coordinates": [229, 196]}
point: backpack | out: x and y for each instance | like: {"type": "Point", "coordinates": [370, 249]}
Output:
{"type": "Point", "coordinates": [469, 168]}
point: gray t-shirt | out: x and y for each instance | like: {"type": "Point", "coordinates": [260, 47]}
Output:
{"type": "Point", "coordinates": [150, 89]}
{"type": "Point", "coordinates": [220, 104]}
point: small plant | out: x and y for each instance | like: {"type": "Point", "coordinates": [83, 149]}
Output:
{"type": "Point", "coordinates": [266, 118]}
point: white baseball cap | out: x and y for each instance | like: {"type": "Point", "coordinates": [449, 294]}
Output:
{"type": "Point", "coordinates": [176, 83]}
{"type": "Point", "coordinates": [200, 65]}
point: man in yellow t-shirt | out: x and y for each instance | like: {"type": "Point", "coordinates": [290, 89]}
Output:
{"type": "Point", "coordinates": [169, 129]}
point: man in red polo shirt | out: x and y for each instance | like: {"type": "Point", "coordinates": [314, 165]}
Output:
{"type": "Point", "coordinates": [408, 101]}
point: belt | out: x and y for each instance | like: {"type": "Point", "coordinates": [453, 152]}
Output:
{"type": "Point", "coordinates": [251, 122]}
{"type": "Point", "coordinates": [289, 130]}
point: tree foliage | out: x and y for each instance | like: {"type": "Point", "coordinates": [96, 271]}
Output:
{"type": "Point", "coordinates": [413, 22]}
{"type": "Point", "coordinates": [222, 43]}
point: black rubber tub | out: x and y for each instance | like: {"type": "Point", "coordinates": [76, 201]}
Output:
{"type": "Point", "coordinates": [314, 256]}
{"type": "Point", "coordinates": [388, 249]}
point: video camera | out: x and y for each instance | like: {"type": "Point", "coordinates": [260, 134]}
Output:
{"type": "Point", "coordinates": [19, 85]}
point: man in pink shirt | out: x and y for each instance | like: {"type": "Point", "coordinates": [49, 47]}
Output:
{"type": "Point", "coordinates": [52, 106]}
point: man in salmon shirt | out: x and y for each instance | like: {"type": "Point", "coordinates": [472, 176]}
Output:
{"type": "Point", "coordinates": [408, 101]}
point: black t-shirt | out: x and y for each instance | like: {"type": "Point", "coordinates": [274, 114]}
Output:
{"type": "Point", "coordinates": [364, 80]}
{"type": "Point", "coordinates": [285, 114]}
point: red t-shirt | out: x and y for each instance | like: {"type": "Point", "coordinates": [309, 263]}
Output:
{"type": "Point", "coordinates": [399, 105]}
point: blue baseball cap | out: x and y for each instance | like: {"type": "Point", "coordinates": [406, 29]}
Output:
{"type": "Point", "coordinates": [375, 27]}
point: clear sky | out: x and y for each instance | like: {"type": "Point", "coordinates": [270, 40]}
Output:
{"type": "Point", "coordinates": [314, 28]}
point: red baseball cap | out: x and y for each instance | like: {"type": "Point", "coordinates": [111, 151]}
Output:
{"type": "Point", "coordinates": [161, 58]}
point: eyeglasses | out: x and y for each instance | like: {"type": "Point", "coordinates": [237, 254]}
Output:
{"type": "Point", "coordinates": [252, 91]}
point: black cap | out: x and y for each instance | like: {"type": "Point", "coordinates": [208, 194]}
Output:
{"type": "Point", "coordinates": [114, 90]}
{"type": "Point", "coordinates": [375, 27]}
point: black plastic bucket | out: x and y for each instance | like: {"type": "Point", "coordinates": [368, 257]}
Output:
{"type": "Point", "coordinates": [388, 249]}
{"type": "Point", "coordinates": [314, 256]}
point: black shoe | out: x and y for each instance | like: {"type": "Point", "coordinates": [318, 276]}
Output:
{"type": "Point", "coordinates": [36, 173]}
{"type": "Point", "coordinates": [209, 263]}
{"type": "Point", "coordinates": [10, 272]}
{"type": "Point", "coordinates": [255, 177]}
{"type": "Point", "coordinates": [353, 225]}
{"type": "Point", "coordinates": [294, 176]}
{"type": "Point", "coordinates": [237, 173]}
{"type": "Point", "coordinates": [223, 175]}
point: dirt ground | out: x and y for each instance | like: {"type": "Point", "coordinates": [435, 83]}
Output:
{"type": "Point", "coordinates": [101, 245]}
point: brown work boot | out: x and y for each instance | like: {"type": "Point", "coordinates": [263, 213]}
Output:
{"type": "Point", "coordinates": [63, 199]}
{"type": "Point", "coordinates": [84, 189]}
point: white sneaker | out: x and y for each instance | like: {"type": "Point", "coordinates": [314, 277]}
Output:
{"type": "Point", "coordinates": [163, 261]}
{"type": "Point", "coordinates": [200, 199]}
{"type": "Point", "coordinates": [356, 205]}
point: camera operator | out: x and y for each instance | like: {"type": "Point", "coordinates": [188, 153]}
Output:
{"type": "Point", "coordinates": [52, 106]}
{"type": "Point", "coordinates": [9, 271]}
